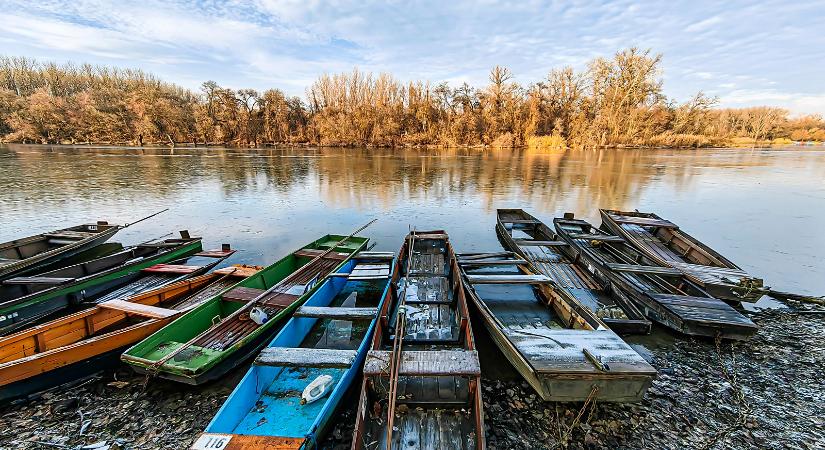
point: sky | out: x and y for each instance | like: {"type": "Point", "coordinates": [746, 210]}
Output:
{"type": "Point", "coordinates": [745, 53]}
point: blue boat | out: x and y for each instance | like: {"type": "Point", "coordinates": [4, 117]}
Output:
{"type": "Point", "coordinates": [326, 340]}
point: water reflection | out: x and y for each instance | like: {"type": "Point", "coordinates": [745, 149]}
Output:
{"type": "Point", "coordinates": [761, 208]}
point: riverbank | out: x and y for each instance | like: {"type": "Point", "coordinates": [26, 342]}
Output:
{"type": "Point", "coordinates": [765, 393]}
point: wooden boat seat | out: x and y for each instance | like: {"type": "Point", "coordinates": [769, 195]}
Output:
{"type": "Point", "coordinates": [508, 279]}
{"type": "Point", "coordinates": [493, 262]}
{"type": "Point", "coordinates": [370, 272]}
{"type": "Point", "coordinates": [313, 253]}
{"type": "Point", "coordinates": [653, 270]}
{"type": "Point", "coordinates": [644, 221]}
{"type": "Point", "coordinates": [52, 281]}
{"type": "Point", "coordinates": [515, 221]}
{"type": "Point", "coordinates": [340, 313]}
{"type": "Point", "coordinates": [68, 234]}
{"type": "Point", "coordinates": [425, 363]}
{"type": "Point", "coordinates": [464, 257]}
{"type": "Point", "coordinates": [596, 237]}
{"type": "Point", "coordinates": [539, 243]}
{"type": "Point", "coordinates": [139, 309]}
{"type": "Point", "coordinates": [437, 236]}
{"type": "Point", "coordinates": [242, 294]}
{"type": "Point", "coordinates": [703, 309]}
{"type": "Point", "coordinates": [239, 270]}
{"type": "Point", "coordinates": [387, 256]}
{"type": "Point", "coordinates": [172, 269]}
{"type": "Point", "coordinates": [306, 357]}
{"type": "Point", "coordinates": [217, 253]}
{"type": "Point", "coordinates": [573, 221]}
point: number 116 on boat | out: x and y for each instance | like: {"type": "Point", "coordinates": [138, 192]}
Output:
{"type": "Point", "coordinates": [212, 442]}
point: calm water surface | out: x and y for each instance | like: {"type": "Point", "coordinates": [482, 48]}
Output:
{"type": "Point", "coordinates": [764, 209]}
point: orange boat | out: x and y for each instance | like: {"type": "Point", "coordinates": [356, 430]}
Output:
{"type": "Point", "coordinates": [77, 346]}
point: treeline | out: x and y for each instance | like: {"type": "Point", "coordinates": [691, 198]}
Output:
{"type": "Point", "coordinates": [616, 101]}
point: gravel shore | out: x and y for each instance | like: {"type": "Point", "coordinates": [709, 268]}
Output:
{"type": "Point", "coordinates": [766, 393]}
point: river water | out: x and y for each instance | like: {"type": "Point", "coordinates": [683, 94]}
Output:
{"type": "Point", "coordinates": [763, 209]}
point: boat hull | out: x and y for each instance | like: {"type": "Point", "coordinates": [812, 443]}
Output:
{"type": "Point", "coordinates": [634, 324]}
{"type": "Point", "coordinates": [51, 256]}
{"type": "Point", "coordinates": [700, 269]}
{"type": "Point", "coordinates": [21, 312]}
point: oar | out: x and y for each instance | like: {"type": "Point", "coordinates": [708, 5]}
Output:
{"type": "Point", "coordinates": [157, 365]}
{"type": "Point", "coordinates": [395, 355]}
{"type": "Point", "coordinates": [145, 218]}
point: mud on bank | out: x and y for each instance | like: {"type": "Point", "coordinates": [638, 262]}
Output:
{"type": "Point", "coordinates": [765, 393]}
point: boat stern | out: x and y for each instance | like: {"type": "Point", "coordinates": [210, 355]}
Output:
{"type": "Point", "coordinates": [217, 441]}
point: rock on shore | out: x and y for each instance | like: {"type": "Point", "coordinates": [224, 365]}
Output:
{"type": "Point", "coordinates": [766, 393]}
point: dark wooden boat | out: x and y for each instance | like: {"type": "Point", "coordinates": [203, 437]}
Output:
{"type": "Point", "coordinates": [538, 244]}
{"type": "Point", "coordinates": [25, 300]}
{"type": "Point", "coordinates": [665, 294]}
{"type": "Point", "coordinates": [98, 251]}
{"type": "Point", "coordinates": [328, 336]}
{"type": "Point", "coordinates": [561, 348]}
{"type": "Point", "coordinates": [422, 375]}
{"type": "Point", "coordinates": [72, 348]}
{"type": "Point", "coordinates": [664, 242]}
{"type": "Point", "coordinates": [28, 253]}
{"type": "Point", "coordinates": [214, 338]}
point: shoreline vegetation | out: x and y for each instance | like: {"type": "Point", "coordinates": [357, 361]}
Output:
{"type": "Point", "coordinates": [615, 102]}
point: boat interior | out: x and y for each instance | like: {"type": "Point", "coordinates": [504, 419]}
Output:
{"type": "Point", "coordinates": [278, 287]}
{"type": "Point", "coordinates": [543, 248]}
{"type": "Point", "coordinates": [323, 338]}
{"type": "Point", "coordinates": [13, 251]}
{"type": "Point", "coordinates": [436, 384]}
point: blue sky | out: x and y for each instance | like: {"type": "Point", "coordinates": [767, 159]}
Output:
{"type": "Point", "coordinates": [746, 53]}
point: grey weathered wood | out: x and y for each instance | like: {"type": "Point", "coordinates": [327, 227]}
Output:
{"type": "Point", "coordinates": [537, 242]}
{"type": "Point", "coordinates": [38, 280]}
{"type": "Point", "coordinates": [656, 270]}
{"type": "Point", "coordinates": [336, 312]}
{"type": "Point", "coordinates": [139, 309]}
{"type": "Point", "coordinates": [493, 262]}
{"type": "Point", "coordinates": [425, 363]}
{"type": "Point", "coordinates": [306, 357]}
{"type": "Point", "coordinates": [528, 221]}
{"type": "Point", "coordinates": [645, 221]}
{"type": "Point", "coordinates": [375, 255]}
{"type": "Point", "coordinates": [508, 279]}
{"type": "Point", "coordinates": [596, 237]}
{"type": "Point", "coordinates": [474, 256]}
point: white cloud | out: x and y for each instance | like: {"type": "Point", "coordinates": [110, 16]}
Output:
{"type": "Point", "coordinates": [722, 49]}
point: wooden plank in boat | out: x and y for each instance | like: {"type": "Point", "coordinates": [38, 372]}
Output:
{"type": "Point", "coordinates": [370, 271]}
{"type": "Point", "coordinates": [644, 221]}
{"type": "Point", "coordinates": [596, 237]}
{"type": "Point", "coordinates": [38, 280]}
{"type": "Point", "coordinates": [425, 289]}
{"type": "Point", "coordinates": [242, 294]}
{"type": "Point", "coordinates": [139, 309]}
{"type": "Point", "coordinates": [172, 268]}
{"type": "Point", "coordinates": [533, 242]}
{"type": "Point", "coordinates": [336, 312]}
{"type": "Point", "coordinates": [375, 255]}
{"type": "Point", "coordinates": [464, 257]}
{"type": "Point", "coordinates": [418, 236]}
{"type": "Point", "coordinates": [690, 301]}
{"type": "Point", "coordinates": [425, 363]}
{"type": "Point", "coordinates": [239, 271]}
{"type": "Point", "coordinates": [306, 357]}
{"type": "Point", "coordinates": [508, 279]}
{"type": "Point", "coordinates": [655, 270]}
{"type": "Point", "coordinates": [213, 441]}
{"type": "Point", "coordinates": [493, 262]}
{"type": "Point", "coordinates": [68, 234]}
{"type": "Point", "coordinates": [312, 253]}
{"type": "Point", "coordinates": [528, 221]}
{"type": "Point", "coordinates": [219, 253]}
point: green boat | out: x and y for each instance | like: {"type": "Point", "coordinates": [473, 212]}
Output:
{"type": "Point", "coordinates": [208, 341]}
{"type": "Point", "coordinates": [25, 300]}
